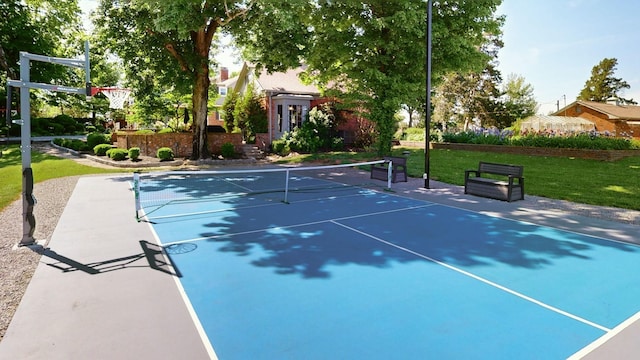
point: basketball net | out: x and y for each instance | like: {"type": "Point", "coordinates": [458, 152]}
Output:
{"type": "Point", "coordinates": [116, 96]}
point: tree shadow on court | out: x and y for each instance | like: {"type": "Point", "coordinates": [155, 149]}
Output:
{"type": "Point", "coordinates": [453, 236]}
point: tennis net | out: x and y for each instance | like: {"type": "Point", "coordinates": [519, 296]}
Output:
{"type": "Point", "coordinates": [155, 191]}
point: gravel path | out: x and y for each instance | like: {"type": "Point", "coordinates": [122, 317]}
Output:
{"type": "Point", "coordinates": [17, 265]}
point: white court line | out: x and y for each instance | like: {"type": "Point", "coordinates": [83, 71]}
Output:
{"type": "Point", "coordinates": [476, 277]}
{"type": "Point", "coordinates": [192, 312]}
{"type": "Point", "coordinates": [606, 337]}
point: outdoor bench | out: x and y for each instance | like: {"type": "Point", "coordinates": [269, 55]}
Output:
{"type": "Point", "coordinates": [509, 189]}
{"type": "Point", "coordinates": [398, 169]}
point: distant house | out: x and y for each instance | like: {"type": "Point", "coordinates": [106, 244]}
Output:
{"type": "Point", "coordinates": [223, 83]}
{"type": "Point", "coordinates": [287, 99]}
{"type": "Point", "coordinates": [613, 117]}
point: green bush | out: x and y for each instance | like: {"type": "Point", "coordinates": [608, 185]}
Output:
{"type": "Point", "coordinates": [414, 134]}
{"type": "Point", "coordinates": [228, 150]}
{"type": "Point", "coordinates": [337, 144]}
{"type": "Point", "coordinates": [97, 138]}
{"type": "Point", "coordinates": [117, 154]}
{"type": "Point", "coordinates": [66, 124]}
{"type": "Point", "coordinates": [165, 154]}
{"type": "Point", "coordinates": [317, 133]}
{"type": "Point", "coordinates": [281, 147]}
{"type": "Point", "coordinates": [134, 153]}
{"type": "Point", "coordinates": [73, 144]}
{"type": "Point", "coordinates": [101, 149]}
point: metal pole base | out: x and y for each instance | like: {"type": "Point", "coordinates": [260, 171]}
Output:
{"type": "Point", "coordinates": [28, 202]}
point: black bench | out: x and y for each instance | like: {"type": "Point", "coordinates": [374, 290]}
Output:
{"type": "Point", "coordinates": [510, 189]}
{"type": "Point", "coordinates": [398, 169]}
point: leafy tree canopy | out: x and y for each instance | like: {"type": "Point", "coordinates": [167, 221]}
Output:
{"type": "Point", "coordinates": [519, 100]}
{"type": "Point", "coordinates": [603, 85]}
{"type": "Point", "coordinates": [375, 51]}
{"type": "Point", "coordinates": [47, 27]}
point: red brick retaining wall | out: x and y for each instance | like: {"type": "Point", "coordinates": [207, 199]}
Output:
{"type": "Point", "coordinates": [180, 143]}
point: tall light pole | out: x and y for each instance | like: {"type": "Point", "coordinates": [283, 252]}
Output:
{"type": "Point", "coordinates": [427, 124]}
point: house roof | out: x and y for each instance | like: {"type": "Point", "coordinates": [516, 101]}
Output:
{"type": "Point", "coordinates": [285, 82]}
{"type": "Point", "coordinates": [613, 111]}
{"type": "Point", "coordinates": [549, 122]}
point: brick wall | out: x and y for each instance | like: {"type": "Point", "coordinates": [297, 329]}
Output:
{"type": "Point", "coordinates": [180, 143]}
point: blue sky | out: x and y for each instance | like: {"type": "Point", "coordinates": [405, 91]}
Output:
{"type": "Point", "coordinates": [554, 44]}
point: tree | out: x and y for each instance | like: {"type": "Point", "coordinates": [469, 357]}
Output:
{"type": "Point", "coordinates": [602, 85]}
{"type": "Point", "coordinates": [518, 99]}
{"type": "Point", "coordinates": [40, 27]}
{"type": "Point", "coordinates": [372, 52]}
{"type": "Point", "coordinates": [228, 109]}
{"type": "Point", "coordinates": [462, 99]}
{"type": "Point", "coordinates": [249, 116]}
{"type": "Point", "coordinates": [175, 40]}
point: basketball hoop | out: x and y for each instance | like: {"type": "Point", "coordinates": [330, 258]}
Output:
{"type": "Point", "coordinates": [116, 96]}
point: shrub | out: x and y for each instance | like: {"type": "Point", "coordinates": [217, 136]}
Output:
{"type": "Point", "coordinates": [101, 149]}
{"type": "Point", "coordinates": [97, 138]}
{"type": "Point", "coordinates": [281, 147]}
{"type": "Point", "coordinates": [165, 154]}
{"type": "Point", "coordinates": [414, 134]}
{"type": "Point", "coordinates": [73, 144]}
{"type": "Point", "coordinates": [117, 154]}
{"type": "Point", "coordinates": [317, 133]}
{"type": "Point", "coordinates": [67, 124]}
{"type": "Point", "coordinates": [337, 144]}
{"type": "Point", "coordinates": [228, 150]}
{"type": "Point", "coordinates": [134, 153]}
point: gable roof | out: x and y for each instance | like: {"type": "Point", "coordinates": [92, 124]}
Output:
{"type": "Point", "coordinates": [613, 111]}
{"type": "Point", "coordinates": [285, 82]}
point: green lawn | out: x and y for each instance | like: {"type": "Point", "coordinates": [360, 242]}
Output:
{"type": "Point", "coordinates": [44, 167]}
{"type": "Point", "coordinates": [593, 182]}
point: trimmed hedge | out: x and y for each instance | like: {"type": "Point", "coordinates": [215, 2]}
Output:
{"type": "Point", "coordinates": [164, 154]}
{"type": "Point", "coordinates": [97, 138]}
{"type": "Point", "coordinates": [134, 153]}
{"type": "Point", "coordinates": [117, 154]}
{"type": "Point", "coordinates": [73, 144]}
{"type": "Point", "coordinates": [101, 149]}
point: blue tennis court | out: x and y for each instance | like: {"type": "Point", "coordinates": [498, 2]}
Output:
{"type": "Point", "coordinates": [348, 272]}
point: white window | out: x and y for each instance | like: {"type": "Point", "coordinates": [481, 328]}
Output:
{"type": "Point", "coordinates": [222, 91]}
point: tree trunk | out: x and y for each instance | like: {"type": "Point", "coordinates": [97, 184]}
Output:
{"type": "Point", "coordinates": [200, 97]}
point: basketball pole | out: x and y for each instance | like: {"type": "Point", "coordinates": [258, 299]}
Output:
{"type": "Point", "coordinates": [427, 112]}
{"type": "Point", "coordinates": [25, 85]}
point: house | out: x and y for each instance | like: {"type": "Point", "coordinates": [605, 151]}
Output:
{"type": "Point", "coordinates": [223, 83]}
{"type": "Point", "coordinates": [287, 99]}
{"type": "Point", "coordinates": [613, 117]}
